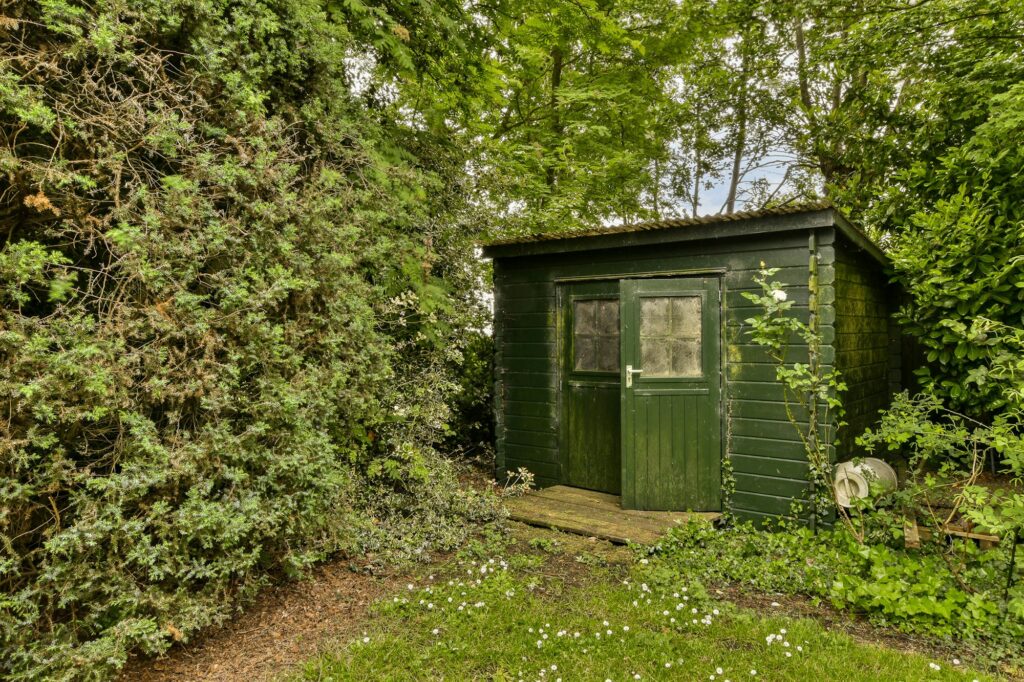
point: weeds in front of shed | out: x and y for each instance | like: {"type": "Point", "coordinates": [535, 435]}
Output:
{"type": "Point", "coordinates": [955, 595]}
{"type": "Point", "coordinates": [499, 618]}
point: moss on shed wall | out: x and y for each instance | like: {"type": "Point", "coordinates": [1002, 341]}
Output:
{"type": "Point", "coordinates": [867, 350]}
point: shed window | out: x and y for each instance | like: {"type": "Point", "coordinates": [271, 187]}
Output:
{"type": "Point", "coordinates": [595, 335]}
{"type": "Point", "coordinates": [670, 331]}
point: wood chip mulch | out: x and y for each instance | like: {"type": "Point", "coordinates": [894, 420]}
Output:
{"type": "Point", "coordinates": [286, 625]}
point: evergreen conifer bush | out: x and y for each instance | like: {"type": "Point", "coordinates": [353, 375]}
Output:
{"type": "Point", "coordinates": [231, 289]}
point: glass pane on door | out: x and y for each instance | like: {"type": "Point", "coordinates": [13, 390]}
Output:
{"type": "Point", "coordinates": [596, 335]}
{"type": "Point", "coordinates": [670, 333]}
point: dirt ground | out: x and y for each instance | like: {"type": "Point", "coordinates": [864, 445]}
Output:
{"type": "Point", "coordinates": [287, 625]}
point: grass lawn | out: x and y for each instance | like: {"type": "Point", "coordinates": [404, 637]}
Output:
{"type": "Point", "coordinates": [556, 608]}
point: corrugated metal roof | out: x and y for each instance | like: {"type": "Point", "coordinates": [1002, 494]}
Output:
{"type": "Point", "coordinates": [666, 224]}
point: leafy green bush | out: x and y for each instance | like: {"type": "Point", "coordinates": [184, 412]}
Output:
{"type": "Point", "coordinates": [231, 289]}
{"type": "Point", "coordinates": [472, 423]}
{"type": "Point", "coordinates": [957, 595]}
{"type": "Point", "coordinates": [961, 258]}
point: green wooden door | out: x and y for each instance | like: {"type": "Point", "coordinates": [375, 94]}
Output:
{"type": "Point", "coordinates": [671, 409]}
{"type": "Point", "coordinates": [589, 434]}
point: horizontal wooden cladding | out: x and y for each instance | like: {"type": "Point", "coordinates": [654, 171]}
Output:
{"type": "Point", "coordinates": [766, 428]}
{"type": "Point", "coordinates": [761, 409]}
{"type": "Point", "coordinates": [530, 438]}
{"type": "Point", "coordinates": [770, 485]}
{"type": "Point", "coordinates": [511, 320]}
{"type": "Point", "coordinates": [799, 294]}
{"type": "Point", "coordinates": [542, 424]}
{"type": "Point", "coordinates": [766, 447]}
{"type": "Point", "coordinates": [511, 290]}
{"type": "Point", "coordinates": [529, 379]}
{"type": "Point", "coordinates": [545, 469]}
{"type": "Point", "coordinates": [540, 335]}
{"type": "Point", "coordinates": [852, 341]}
{"type": "Point", "coordinates": [766, 504]}
{"type": "Point", "coordinates": [851, 359]}
{"type": "Point", "coordinates": [869, 307]}
{"type": "Point", "coordinates": [528, 350]}
{"type": "Point", "coordinates": [764, 520]}
{"type": "Point", "coordinates": [739, 314]}
{"type": "Point", "coordinates": [742, 353]}
{"type": "Point", "coordinates": [507, 306]}
{"type": "Point", "coordinates": [529, 394]}
{"type": "Point", "coordinates": [514, 364]}
{"type": "Point", "coordinates": [761, 372]}
{"type": "Point", "coordinates": [528, 409]}
{"type": "Point", "coordinates": [531, 453]}
{"type": "Point", "coordinates": [756, 465]}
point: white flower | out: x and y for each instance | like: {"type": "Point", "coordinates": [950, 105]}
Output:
{"type": "Point", "coordinates": [779, 295]}
{"type": "Point", "coordinates": [935, 666]}
{"type": "Point", "coordinates": [956, 661]}
{"type": "Point", "coordinates": [435, 631]}
{"type": "Point", "coordinates": [718, 670]}
{"type": "Point", "coordinates": [366, 640]}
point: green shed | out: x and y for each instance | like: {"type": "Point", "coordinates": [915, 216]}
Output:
{"type": "Point", "coordinates": [623, 363]}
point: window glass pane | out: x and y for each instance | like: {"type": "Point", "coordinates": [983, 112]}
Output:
{"type": "Point", "coordinates": [596, 335]}
{"type": "Point", "coordinates": [583, 317]}
{"type": "Point", "coordinates": [655, 356]}
{"type": "Point", "coordinates": [686, 358]}
{"type": "Point", "coordinates": [670, 332]}
{"type": "Point", "coordinates": [586, 352]}
{"type": "Point", "coordinates": [655, 316]}
{"type": "Point", "coordinates": [608, 354]}
{"type": "Point", "coordinates": [686, 317]}
{"type": "Point", "coordinates": [608, 318]}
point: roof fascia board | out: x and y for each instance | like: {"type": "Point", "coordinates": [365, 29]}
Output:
{"type": "Point", "coordinates": [725, 229]}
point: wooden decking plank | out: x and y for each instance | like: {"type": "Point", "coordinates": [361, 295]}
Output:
{"type": "Point", "coordinates": [591, 513]}
{"type": "Point", "coordinates": [603, 513]}
{"type": "Point", "coordinates": [560, 491]}
{"type": "Point", "coordinates": [573, 524]}
{"type": "Point", "coordinates": [598, 500]}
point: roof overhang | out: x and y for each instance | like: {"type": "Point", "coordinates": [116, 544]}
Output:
{"type": "Point", "coordinates": [715, 227]}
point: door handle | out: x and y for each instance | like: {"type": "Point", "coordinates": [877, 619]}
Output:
{"type": "Point", "coordinates": [629, 375]}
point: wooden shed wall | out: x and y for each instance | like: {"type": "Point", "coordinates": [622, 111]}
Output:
{"type": "Point", "coordinates": [868, 345]}
{"type": "Point", "coordinates": [768, 461]}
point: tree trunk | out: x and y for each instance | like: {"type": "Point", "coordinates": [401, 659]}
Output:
{"type": "Point", "coordinates": [741, 138]}
{"type": "Point", "coordinates": [556, 118]}
{"type": "Point", "coordinates": [697, 176]}
{"type": "Point", "coordinates": [657, 189]}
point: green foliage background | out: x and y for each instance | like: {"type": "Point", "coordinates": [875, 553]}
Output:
{"type": "Point", "coordinates": [234, 287]}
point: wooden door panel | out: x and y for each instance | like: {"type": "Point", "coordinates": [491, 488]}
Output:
{"type": "Point", "coordinates": [671, 414]}
{"type": "Point", "coordinates": [590, 438]}
{"type": "Point", "coordinates": [592, 433]}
